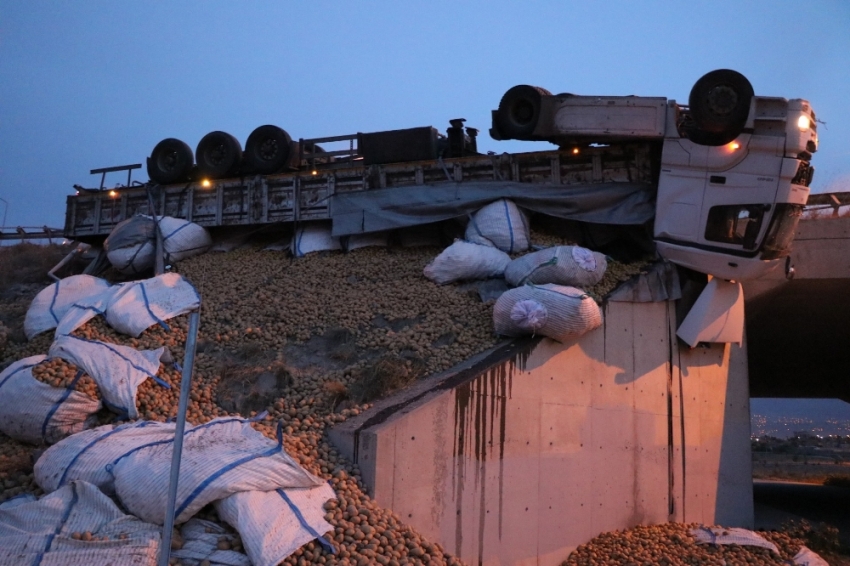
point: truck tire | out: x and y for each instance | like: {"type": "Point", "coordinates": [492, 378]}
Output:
{"type": "Point", "coordinates": [267, 150]}
{"type": "Point", "coordinates": [720, 103]}
{"type": "Point", "coordinates": [218, 155]}
{"type": "Point", "coordinates": [519, 111]}
{"type": "Point", "coordinates": [170, 162]}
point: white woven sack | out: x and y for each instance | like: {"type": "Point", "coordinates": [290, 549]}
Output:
{"type": "Point", "coordinates": [141, 304]}
{"type": "Point", "coordinates": [464, 260]}
{"type": "Point", "coordinates": [314, 238]}
{"type": "Point", "coordinates": [131, 247]}
{"type": "Point", "coordinates": [217, 461]}
{"type": "Point", "coordinates": [200, 542]}
{"type": "Point", "coordinates": [117, 370]}
{"type": "Point", "coordinates": [90, 455]}
{"type": "Point", "coordinates": [35, 412]}
{"type": "Point", "coordinates": [731, 535]}
{"type": "Point", "coordinates": [501, 224]}
{"type": "Point", "coordinates": [562, 265]}
{"type": "Point", "coordinates": [274, 524]}
{"type": "Point", "coordinates": [54, 301]}
{"type": "Point", "coordinates": [182, 239]}
{"type": "Point", "coordinates": [135, 259]}
{"type": "Point", "coordinates": [555, 311]}
{"type": "Point", "coordinates": [807, 557]}
{"type": "Point", "coordinates": [86, 309]}
{"type": "Point", "coordinates": [39, 532]}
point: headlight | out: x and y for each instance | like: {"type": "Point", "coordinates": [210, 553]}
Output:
{"type": "Point", "coordinates": [804, 123]}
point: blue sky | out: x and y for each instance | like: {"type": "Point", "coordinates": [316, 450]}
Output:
{"type": "Point", "coordinates": [98, 83]}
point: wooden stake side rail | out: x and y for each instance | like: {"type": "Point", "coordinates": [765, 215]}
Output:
{"type": "Point", "coordinates": [302, 196]}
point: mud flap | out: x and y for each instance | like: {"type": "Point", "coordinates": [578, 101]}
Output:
{"type": "Point", "coordinates": [717, 315]}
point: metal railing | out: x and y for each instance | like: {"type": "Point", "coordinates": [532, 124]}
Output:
{"type": "Point", "coordinates": [30, 233]}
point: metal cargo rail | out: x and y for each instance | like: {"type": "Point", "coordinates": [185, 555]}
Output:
{"type": "Point", "coordinates": [307, 195]}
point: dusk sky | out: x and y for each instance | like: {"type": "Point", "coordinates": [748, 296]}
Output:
{"type": "Point", "coordinates": [98, 83]}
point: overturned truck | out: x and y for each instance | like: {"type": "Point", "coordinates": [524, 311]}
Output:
{"type": "Point", "coordinates": [722, 180]}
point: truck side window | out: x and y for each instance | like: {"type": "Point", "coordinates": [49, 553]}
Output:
{"type": "Point", "coordinates": [736, 224]}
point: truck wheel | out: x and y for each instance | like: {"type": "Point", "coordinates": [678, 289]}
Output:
{"type": "Point", "coordinates": [267, 150]}
{"type": "Point", "coordinates": [218, 155]}
{"type": "Point", "coordinates": [720, 103]}
{"type": "Point", "coordinates": [170, 162]}
{"type": "Point", "coordinates": [519, 111]}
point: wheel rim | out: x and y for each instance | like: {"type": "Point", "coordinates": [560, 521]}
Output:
{"type": "Point", "coordinates": [268, 150]}
{"type": "Point", "coordinates": [522, 112]}
{"type": "Point", "coordinates": [167, 161]}
{"type": "Point", "coordinates": [722, 100]}
{"type": "Point", "coordinates": [218, 155]}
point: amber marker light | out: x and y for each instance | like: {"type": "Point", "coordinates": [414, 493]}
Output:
{"type": "Point", "coordinates": [804, 123]}
{"type": "Point", "coordinates": [734, 145]}
{"type": "Point", "coordinates": [206, 183]}
{"type": "Point", "coordinates": [113, 194]}
{"type": "Point", "coordinates": [315, 172]}
{"type": "Point", "coordinates": [575, 151]}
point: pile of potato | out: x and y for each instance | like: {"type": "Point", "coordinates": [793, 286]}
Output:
{"type": "Point", "coordinates": [57, 372]}
{"type": "Point", "coordinates": [16, 475]}
{"type": "Point", "coordinates": [671, 544]}
{"type": "Point", "coordinates": [259, 311]}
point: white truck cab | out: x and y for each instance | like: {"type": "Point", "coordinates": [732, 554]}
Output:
{"type": "Point", "coordinates": [733, 168]}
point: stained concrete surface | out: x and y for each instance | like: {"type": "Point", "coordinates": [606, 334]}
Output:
{"type": "Point", "coordinates": [522, 457]}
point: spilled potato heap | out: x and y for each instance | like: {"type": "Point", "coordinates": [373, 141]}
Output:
{"type": "Point", "coordinates": [314, 328]}
{"type": "Point", "coordinates": [671, 544]}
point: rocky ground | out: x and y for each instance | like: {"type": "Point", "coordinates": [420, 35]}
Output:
{"type": "Point", "coordinates": [312, 342]}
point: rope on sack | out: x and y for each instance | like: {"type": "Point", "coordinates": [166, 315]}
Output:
{"type": "Point", "coordinates": [510, 225]}
{"type": "Point", "coordinates": [68, 390]}
{"type": "Point", "coordinates": [148, 307]}
{"type": "Point", "coordinates": [86, 448]}
{"type": "Point", "coordinates": [17, 371]}
{"type": "Point", "coordinates": [232, 465]}
{"type": "Point", "coordinates": [111, 466]}
{"type": "Point", "coordinates": [549, 262]}
{"type": "Point", "coordinates": [53, 301]}
{"type": "Point", "coordinates": [123, 357]}
{"type": "Point", "coordinates": [65, 515]}
{"type": "Point", "coordinates": [294, 508]}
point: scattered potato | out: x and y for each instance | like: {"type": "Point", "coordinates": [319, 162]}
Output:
{"type": "Point", "coordinates": [312, 328]}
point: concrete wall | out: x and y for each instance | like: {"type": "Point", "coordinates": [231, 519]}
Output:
{"type": "Point", "coordinates": [519, 460]}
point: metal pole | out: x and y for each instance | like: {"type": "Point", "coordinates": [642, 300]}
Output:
{"type": "Point", "coordinates": [159, 262]}
{"type": "Point", "coordinates": [159, 267]}
{"type": "Point", "coordinates": [185, 388]}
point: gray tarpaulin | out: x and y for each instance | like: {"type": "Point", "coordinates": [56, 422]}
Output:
{"type": "Point", "coordinates": [386, 209]}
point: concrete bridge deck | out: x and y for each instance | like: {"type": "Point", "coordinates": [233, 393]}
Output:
{"type": "Point", "coordinates": [798, 330]}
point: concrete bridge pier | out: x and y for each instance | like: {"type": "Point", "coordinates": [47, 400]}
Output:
{"type": "Point", "coordinates": [525, 452]}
